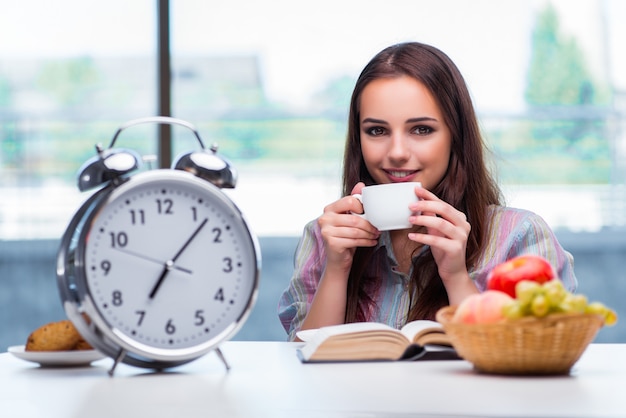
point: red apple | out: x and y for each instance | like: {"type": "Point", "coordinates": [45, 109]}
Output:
{"type": "Point", "coordinates": [505, 276]}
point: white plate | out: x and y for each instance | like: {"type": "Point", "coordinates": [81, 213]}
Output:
{"type": "Point", "coordinates": [57, 358]}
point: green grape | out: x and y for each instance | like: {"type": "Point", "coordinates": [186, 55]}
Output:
{"type": "Point", "coordinates": [539, 300]}
{"type": "Point", "coordinates": [526, 290]}
{"type": "Point", "coordinates": [540, 306]}
{"type": "Point", "coordinates": [566, 305]}
{"type": "Point", "coordinates": [555, 292]}
{"type": "Point", "coordinates": [513, 310]}
{"type": "Point", "coordinates": [609, 316]}
{"type": "Point", "coordinates": [596, 308]}
{"type": "Point", "coordinates": [580, 302]}
{"type": "Point", "coordinates": [573, 303]}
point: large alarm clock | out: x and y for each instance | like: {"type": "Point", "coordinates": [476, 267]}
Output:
{"type": "Point", "coordinates": [158, 267]}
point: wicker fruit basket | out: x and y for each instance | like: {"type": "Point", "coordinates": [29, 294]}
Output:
{"type": "Point", "coordinates": [527, 346]}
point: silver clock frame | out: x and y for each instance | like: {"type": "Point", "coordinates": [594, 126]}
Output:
{"type": "Point", "coordinates": [74, 289]}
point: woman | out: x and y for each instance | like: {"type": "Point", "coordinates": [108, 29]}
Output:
{"type": "Point", "coordinates": [411, 119]}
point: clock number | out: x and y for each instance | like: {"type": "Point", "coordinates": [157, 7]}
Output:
{"type": "Point", "coordinates": [194, 212]}
{"type": "Point", "coordinates": [228, 265]}
{"type": "Point", "coordinates": [218, 235]}
{"type": "Point", "coordinates": [169, 327]}
{"type": "Point", "coordinates": [219, 295]}
{"type": "Point", "coordinates": [137, 216]}
{"type": "Point", "coordinates": [141, 315]}
{"type": "Point", "coordinates": [118, 240]}
{"type": "Point", "coordinates": [165, 206]}
{"type": "Point", "coordinates": [116, 299]}
{"type": "Point", "coordinates": [199, 317]}
{"type": "Point", "coordinates": [106, 266]}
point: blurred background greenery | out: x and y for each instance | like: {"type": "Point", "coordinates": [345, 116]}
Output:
{"type": "Point", "coordinates": [563, 136]}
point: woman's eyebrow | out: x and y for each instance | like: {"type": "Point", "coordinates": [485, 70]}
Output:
{"type": "Point", "coordinates": [372, 120]}
{"type": "Point", "coordinates": [411, 120]}
{"type": "Point", "coordinates": [422, 119]}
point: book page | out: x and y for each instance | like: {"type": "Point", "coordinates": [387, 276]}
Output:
{"type": "Point", "coordinates": [418, 332]}
{"type": "Point", "coordinates": [348, 336]}
{"type": "Point", "coordinates": [325, 332]}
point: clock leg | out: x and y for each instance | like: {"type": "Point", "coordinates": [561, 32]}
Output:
{"type": "Point", "coordinates": [221, 356]}
{"type": "Point", "coordinates": [118, 359]}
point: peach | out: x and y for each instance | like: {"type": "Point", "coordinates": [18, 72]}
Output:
{"type": "Point", "coordinates": [466, 311]}
{"type": "Point", "coordinates": [483, 308]}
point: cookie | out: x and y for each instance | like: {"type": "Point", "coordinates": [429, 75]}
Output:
{"type": "Point", "coordinates": [82, 345]}
{"type": "Point", "coordinates": [54, 336]}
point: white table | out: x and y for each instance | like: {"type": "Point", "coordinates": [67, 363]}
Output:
{"type": "Point", "coordinates": [266, 379]}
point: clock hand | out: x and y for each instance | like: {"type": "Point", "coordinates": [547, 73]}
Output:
{"type": "Point", "coordinates": [154, 260]}
{"type": "Point", "coordinates": [166, 269]}
{"type": "Point", "coordinates": [170, 263]}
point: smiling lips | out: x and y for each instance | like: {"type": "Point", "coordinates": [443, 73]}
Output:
{"type": "Point", "coordinates": [398, 176]}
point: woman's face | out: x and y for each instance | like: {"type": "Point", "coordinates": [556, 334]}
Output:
{"type": "Point", "coordinates": [403, 133]}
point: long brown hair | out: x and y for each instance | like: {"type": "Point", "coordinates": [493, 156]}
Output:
{"type": "Point", "coordinates": [467, 184]}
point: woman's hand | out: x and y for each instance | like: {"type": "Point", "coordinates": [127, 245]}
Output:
{"type": "Point", "coordinates": [343, 232]}
{"type": "Point", "coordinates": [447, 231]}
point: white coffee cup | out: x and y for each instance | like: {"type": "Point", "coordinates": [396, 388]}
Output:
{"type": "Point", "coordinates": [386, 206]}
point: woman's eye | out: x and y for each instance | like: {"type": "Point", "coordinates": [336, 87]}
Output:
{"type": "Point", "coordinates": [376, 131]}
{"type": "Point", "coordinates": [422, 130]}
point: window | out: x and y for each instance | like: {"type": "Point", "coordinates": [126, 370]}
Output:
{"type": "Point", "coordinates": [270, 83]}
{"type": "Point", "coordinates": [70, 74]}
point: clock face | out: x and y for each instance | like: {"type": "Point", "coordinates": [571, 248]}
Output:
{"type": "Point", "coordinates": [170, 263]}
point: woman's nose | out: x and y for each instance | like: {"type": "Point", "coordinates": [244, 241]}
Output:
{"type": "Point", "coordinates": [399, 149]}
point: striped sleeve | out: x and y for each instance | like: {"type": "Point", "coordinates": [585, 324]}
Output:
{"type": "Point", "coordinates": [516, 232]}
{"type": "Point", "coordinates": [309, 259]}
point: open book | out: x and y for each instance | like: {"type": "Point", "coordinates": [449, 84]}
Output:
{"type": "Point", "coordinates": [362, 341]}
